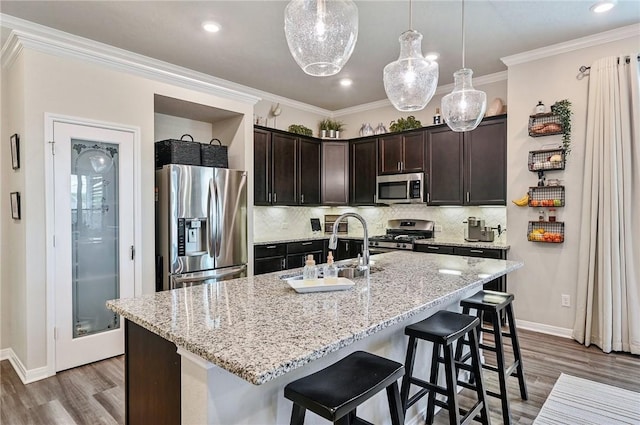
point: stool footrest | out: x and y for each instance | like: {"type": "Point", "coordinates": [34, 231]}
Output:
{"type": "Point", "coordinates": [428, 386]}
{"type": "Point", "coordinates": [417, 396]}
{"type": "Point", "coordinates": [466, 385]}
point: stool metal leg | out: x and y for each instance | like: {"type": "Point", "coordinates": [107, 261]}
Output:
{"type": "Point", "coordinates": [433, 378]}
{"type": "Point", "coordinates": [297, 414]}
{"type": "Point", "coordinates": [502, 377]}
{"type": "Point", "coordinates": [516, 353]}
{"type": "Point", "coordinates": [477, 371]}
{"type": "Point", "coordinates": [408, 365]}
{"type": "Point", "coordinates": [395, 404]}
{"type": "Point", "coordinates": [450, 372]}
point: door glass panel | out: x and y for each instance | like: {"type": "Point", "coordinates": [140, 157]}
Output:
{"type": "Point", "coordinates": [94, 235]}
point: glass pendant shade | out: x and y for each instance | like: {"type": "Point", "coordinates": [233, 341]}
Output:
{"type": "Point", "coordinates": [464, 107]}
{"type": "Point", "coordinates": [321, 34]}
{"type": "Point", "coordinates": [411, 81]}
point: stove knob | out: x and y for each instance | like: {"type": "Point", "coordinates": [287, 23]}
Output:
{"type": "Point", "coordinates": [404, 245]}
{"type": "Point", "coordinates": [398, 245]}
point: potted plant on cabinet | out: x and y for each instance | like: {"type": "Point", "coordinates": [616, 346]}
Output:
{"type": "Point", "coordinates": [335, 127]}
{"type": "Point", "coordinates": [325, 125]}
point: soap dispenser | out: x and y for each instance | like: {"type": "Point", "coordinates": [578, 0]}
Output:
{"type": "Point", "coordinates": [310, 271]}
{"type": "Point", "coordinates": [330, 270]}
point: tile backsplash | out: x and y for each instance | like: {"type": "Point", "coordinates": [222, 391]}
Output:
{"type": "Point", "coordinates": [277, 223]}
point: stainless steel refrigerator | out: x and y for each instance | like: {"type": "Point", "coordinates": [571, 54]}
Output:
{"type": "Point", "coordinates": [201, 225]}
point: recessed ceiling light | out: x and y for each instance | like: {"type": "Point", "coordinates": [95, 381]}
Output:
{"type": "Point", "coordinates": [211, 26]}
{"type": "Point", "coordinates": [431, 56]}
{"type": "Point", "coordinates": [603, 6]}
{"type": "Point", "coordinates": [346, 82]}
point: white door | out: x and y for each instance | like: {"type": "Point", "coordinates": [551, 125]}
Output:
{"type": "Point", "coordinates": [94, 239]}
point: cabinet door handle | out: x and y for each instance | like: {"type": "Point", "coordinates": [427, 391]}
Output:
{"type": "Point", "coordinates": [468, 197]}
{"type": "Point", "coordinates": [302, 198]}
{"type": "Point", "coordinates": [283, 264]}
{"type": "Point", "coordinates": [306, 243]}
{"type": "Point", "coordinates": [433, 247]}
{"type": "Point", "coordinates": [271, 247]}
{"type": "Point", "coordinates": [428, 197]}
{"type": "Point", "coordinates": [398, 165]}
{"type": "Point", "coordinates": [269, 197]}
{"type": "Point", "coordinates": [275, 198]}
{"type": "Point", "coordinates": [477, 251]}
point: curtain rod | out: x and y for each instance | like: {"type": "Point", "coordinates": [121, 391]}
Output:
{"type": "Point", "coordinates": [583, 68]}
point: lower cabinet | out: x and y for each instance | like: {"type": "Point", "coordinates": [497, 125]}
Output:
{"type": "Point", "coordinates": [282, 256]}
{"type": "Point", "coordinates": [348, 248]}
{"type": "Point", "coordinates": [269, 258]}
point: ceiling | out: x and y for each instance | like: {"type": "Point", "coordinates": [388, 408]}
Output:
{"type": "Point", "coordinates": [251, 48]}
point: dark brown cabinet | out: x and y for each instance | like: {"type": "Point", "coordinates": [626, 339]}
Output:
{"type": "Point", "coordinates": [287, 169]}
{"type": "Point", "coordinates": [362, 172]}
{"type": "Point", "coordinates": [348, 248]}
{"type": "Point", "coordinates": [486, 164]}
{"type": "Point", "coordinates": [335, 173]}
{"type": "Point", "coordinates": [309, 173]}
{"type": "Point", "coordinates": [445, 167]}
{"type": "Point", "coordinates": [467, 168]}
{"type": "Point", "coordinates": [269, 258]}
{"type": "Point", "coordinates": [401, 153]}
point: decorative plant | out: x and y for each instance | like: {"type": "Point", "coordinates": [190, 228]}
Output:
{"type": "Point", "coordinates": [300, 129]}
{"type": "Point", "coordinates": [562, 109]}
{"type": "Point", "coordinates": [402, 124]}
{"type": "Point", "coordinates": [325, 124]}
{"type": "Point", "coordinates": [335, 125]}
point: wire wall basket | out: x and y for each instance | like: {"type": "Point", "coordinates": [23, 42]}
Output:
{"type": "Point", "coordinates": [548, 159]}
{"type": "Point", "coordinates": [546, 196]}
{"type": "Point", "coordinates": [544, 125]}
{"type": "Point", "coordinates": [546, 231]}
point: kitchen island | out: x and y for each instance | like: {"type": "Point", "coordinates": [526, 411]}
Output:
{"type": "Point", "coordinates": [241, 341]}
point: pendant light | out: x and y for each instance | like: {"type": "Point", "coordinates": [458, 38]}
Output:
{"type": "Point", "coordinates": [464, 107]}
{"type": "Point", "coordinates": [410, 81]}
{"type": "Point", "coordinates": [321, 34]}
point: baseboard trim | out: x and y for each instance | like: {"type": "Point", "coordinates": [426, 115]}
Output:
{"type": "Point", "coordinates": [5, 353]}
{"type": "Point", "coordinates": [27, 376]}
{"type": "Point", "coordinates": [544, 329]}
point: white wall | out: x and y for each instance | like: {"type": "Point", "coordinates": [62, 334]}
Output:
{"type": "Point", "coordinates": [81, 89]}
{"type": "Point", "coordinates": [12, 236]}
{"type": "Point", "coordinates": [550, 269]}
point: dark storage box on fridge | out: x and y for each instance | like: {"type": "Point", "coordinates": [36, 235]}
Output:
{"type": "Point", "coordinates": [172, 151]}
{"type": "Point", "coordinates": [213, 155]}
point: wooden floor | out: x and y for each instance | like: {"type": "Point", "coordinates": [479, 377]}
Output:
{"type": "Point", "coordinates": [94, 394]}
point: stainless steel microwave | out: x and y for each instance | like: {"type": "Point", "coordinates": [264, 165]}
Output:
{"type": "Point", "coordinates": [400, 189]}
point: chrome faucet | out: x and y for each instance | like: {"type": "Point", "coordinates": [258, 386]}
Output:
{"type": "Point", "coordinates": [333, 240]}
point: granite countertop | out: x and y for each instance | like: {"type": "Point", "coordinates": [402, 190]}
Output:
{"type": "Point", "coordinates": [259, 328]}
{"type": "Point", "coordinates": [456, 240]}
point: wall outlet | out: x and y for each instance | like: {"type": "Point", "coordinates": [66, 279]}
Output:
{"type": "Point", "coordinates": [565, 300]}
{"type": "Point", "coordinates": [284, 225]}
{"type": "Point", "coordinates": [437, 228]}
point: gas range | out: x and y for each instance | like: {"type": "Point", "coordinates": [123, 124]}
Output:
{"type": "Point", "coordinates": [401, 234]}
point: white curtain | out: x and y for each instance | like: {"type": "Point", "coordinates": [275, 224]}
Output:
{"type": "Point", "coordinates": [608, 297]}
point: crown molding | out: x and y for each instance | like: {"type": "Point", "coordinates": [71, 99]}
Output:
{"type": "Point", "coordinates": [58, 43]}
{"type": "Point", "coordinates": [478, 81]}
{"type": "Point", "coordinates": [569, 46]}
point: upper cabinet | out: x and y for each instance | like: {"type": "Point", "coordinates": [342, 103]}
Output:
{"type": "Point", "coordinates": [362, 172]}
{"type": "Point", "coordinates": [286, 168]}
{"type": "Point", "coordinates": [468, 168]}
{"type": "Point", "coordinates": [486, 163]}
{"type": "Point", "coordinates": [309, 160]}
{"type": "Point", "coordinates": [335, 173]}
{"type": "Point", "coordinates": [401, 153]}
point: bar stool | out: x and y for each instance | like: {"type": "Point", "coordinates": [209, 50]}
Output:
{"type": "Point", "coordinates": [336, 391]}
{"type": "Point", "coordinates": [495, 303]}
{"type": "Point", "coordinates": [443, 329]}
